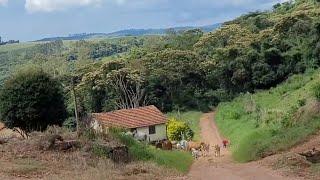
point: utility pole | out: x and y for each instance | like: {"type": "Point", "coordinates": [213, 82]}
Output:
{"type": "Point", "coordinates": [74, 94]}
{"type": "Point", "coordinates": [75, 105]}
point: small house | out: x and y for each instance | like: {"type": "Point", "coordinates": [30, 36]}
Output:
{"type": "Point", "coordinates": [149, 121]}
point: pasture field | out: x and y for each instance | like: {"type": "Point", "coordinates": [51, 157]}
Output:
{"type": "Point", "coordinates": [270, 121]}
{"type": "Point", "coordinates": [17, 46]}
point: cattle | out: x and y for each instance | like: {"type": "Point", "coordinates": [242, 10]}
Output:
{"type": "Point", "coordinates": [195, 153]}
{"type": "Point", "coordinates": [159, 144]}
{"type": "Point", "coordinates": [178, 146]}
{"type": "Point", "coordinates": [205, 148]}
{"type": "Point", "coordinates": [194, 145]}
{"type": "Point", "coordinates": [217, 150]}
{"type": "Point", "coordinates": [166, 145]}
{"type": "Point", "coordinates": [184, 144]}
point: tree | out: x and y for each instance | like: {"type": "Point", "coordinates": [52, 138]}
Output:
{"type": "Point", "coordinates": [32, 100]}
{"type": "Point", "coordinates": [173, 76]}
{"type": "Point", "coordinates": [128, 86]}
{"type": "Point", "coordinates": [179, 130]}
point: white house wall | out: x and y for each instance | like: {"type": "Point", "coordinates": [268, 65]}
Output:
{"type": "Point", "coordinates": [161, 132]}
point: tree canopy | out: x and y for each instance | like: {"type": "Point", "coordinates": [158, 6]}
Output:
{"type": "Point", "coordinates": [32, 100]}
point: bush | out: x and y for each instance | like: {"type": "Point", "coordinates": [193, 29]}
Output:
{"type": "Point", "coordinates": [137, 150]}
{"type": "Point", "coordinates": [100, 151]}
{"type": "Point", "coordinates": [178, 130]}
{"type": "Point", "coordinates": [32, 100]}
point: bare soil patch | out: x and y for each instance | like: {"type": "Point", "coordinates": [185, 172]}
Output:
{"type": "Point", "coordinates": [293, 163]}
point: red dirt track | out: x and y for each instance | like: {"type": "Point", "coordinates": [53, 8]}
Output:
{"type": "Point", "coordinates": [224, 168]}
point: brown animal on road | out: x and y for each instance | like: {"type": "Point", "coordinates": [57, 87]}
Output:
{"type": "Point", "coordinates": [205, 148]}
{"type": "Point", "coordinates": [217, 150]}
{"type": "Point", "coordinates": [194, 145]}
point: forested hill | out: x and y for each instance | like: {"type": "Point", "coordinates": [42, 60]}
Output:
{"type": "Point", "coordinates": [131, 32]}
{"type": "Point", "coordinates": [183, 70]}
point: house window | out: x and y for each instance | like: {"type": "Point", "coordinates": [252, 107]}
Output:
{"type": "Point", "coordinates": [152, 129]}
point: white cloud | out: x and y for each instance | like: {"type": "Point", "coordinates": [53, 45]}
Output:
{"type": "Point", "coordinates": [53, 5]}
{"type": "Point", "coordinates": [3, 2]}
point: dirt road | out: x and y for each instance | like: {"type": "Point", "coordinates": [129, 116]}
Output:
{"type": "Point", "coordinates": [224, 167]}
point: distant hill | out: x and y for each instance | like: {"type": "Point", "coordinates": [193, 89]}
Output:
{"type": "Point", "coordinates": [130, 32]}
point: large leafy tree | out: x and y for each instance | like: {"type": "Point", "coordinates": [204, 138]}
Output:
{"type": "Point", "coordinates": [32, 100]}
{"type": "Point", "coordinates": [173, 76]}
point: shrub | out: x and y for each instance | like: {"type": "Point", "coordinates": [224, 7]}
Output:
{"type": "Point", "coordinates": [89, 134]}
{"type": "Point", "coordinates": [100, 151]}
{"type": "Point", "coordinates": [70, 123]}
{"type": "Point", "coordinates": [137, 150]}
{"type": "Point", "coordinates": [32, 100]}
{"type": "Point", "coordinates": [177, 130]}
{"type": "Point", "coordinates": [287, 119]}
{"type": "Point", "coordinates": [302, 102]}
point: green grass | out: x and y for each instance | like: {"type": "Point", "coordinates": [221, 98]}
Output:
{"type": "Point", "coordinates": [192, 118]}
{"type": "Point", "coordinates": [178, 160]}
{"type": "Point", "coordinates": [17, 46]}
{"type": "Point", "coordinates": [265, 122]}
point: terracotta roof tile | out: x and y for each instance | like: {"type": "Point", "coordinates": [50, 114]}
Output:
{"type": "Point", "coordinates": [132, 118]}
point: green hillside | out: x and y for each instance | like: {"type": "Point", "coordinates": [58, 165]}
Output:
{"type": "Point", "coordinates": [195, 70]}
{"type": "Point", "coordinates": [270, 121]}
{"type": "Point", "coordinates": [55, 56]}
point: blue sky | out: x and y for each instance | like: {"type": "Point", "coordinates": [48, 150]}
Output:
{"type": "Point", "coordinates": [35, 19]}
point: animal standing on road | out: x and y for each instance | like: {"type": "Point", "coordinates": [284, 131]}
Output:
{"type": "Point", "coordinates": [195, 153]}
{"type": "Point", "coordinates": [205, 148]}
{"type": "Point", "coordinates": [217, 150]}
{"type": "Point", "coordinates": [194, 145]}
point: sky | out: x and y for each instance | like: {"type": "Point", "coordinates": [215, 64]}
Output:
{"type": "Point", "coordinates": [28, 20]}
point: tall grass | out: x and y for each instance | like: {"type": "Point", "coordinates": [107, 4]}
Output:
{"type": "Point", "coordinates": [266, 122]}
{"type": "Point", "coordinates": [192, 118]}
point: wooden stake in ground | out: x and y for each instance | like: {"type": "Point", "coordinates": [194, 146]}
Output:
{"type": "Point", "coordinates": [75, 106]}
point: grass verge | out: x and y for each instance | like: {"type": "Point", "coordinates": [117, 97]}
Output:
{"type": "Point", "coordinates": [270, 121]}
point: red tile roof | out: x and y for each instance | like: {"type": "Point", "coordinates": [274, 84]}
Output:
{"type": "Point", "coordinates": [132, 118]}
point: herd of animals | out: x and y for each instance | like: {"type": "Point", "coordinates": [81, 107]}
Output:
{"type": "Point", "coordinates": [197, 149]}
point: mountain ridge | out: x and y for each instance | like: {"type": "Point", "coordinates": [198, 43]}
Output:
{"type": "Point", "coordinates": [130, 32]}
